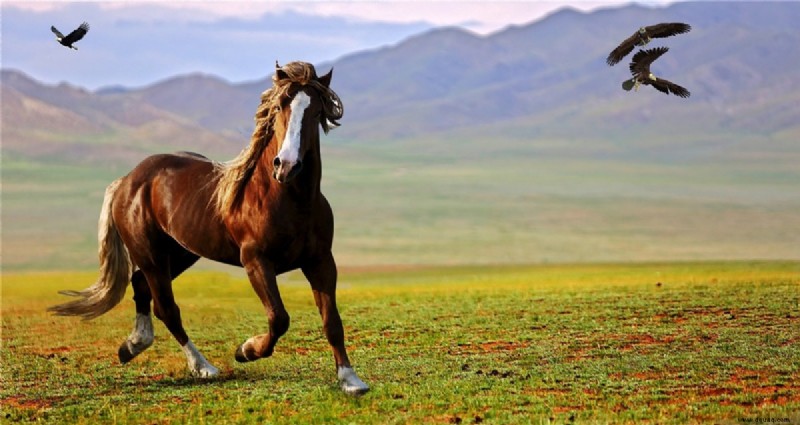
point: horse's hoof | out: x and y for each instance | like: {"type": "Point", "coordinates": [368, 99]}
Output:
{"type": "Point", "coordinates": [206, 372]}
{"type": "Point", "coordinates": [240, 357]}
{"type": "Point", "coordinates": [350, 383]}
{"type": "Point", "coordinates": [124, 353]}
{"type": "Point", "coordinates": [247, 353]}
{"type": "Point", "coordinates": [354, 390]}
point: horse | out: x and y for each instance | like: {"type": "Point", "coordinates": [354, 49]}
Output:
{"type": "Point", "coordinates": [262, 210]}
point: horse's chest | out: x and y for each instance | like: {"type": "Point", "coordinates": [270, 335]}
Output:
{"type": "Point", "coordinates": [287, 241]}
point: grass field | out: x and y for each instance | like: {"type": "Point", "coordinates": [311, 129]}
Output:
{"type": "Point", "coordinates": [646, 343]}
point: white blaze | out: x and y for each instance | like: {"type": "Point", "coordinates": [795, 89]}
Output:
{"type": "Point", "coordinates": [290, 148]}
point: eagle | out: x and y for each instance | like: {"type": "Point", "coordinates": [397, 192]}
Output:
{"type": "Point", "coordinates": [643, 36]}
{"type": "Point", "coordinates": [72, 37]}
{"type": "Point", "coordinates": [640, 68]}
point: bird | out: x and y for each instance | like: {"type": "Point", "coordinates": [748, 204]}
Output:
{"type": "Point", "coordinates": [72, 37]}
{"type": "Point", "coordinates": [643, 36]}
{"type": "Point", "coordinates": [640, 69]}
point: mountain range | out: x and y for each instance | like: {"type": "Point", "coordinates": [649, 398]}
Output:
{"type": "Point", "coordinates": [541, 88]}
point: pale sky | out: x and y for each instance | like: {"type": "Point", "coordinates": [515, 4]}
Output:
{"type": "Point", "coordinates": [480, 16]}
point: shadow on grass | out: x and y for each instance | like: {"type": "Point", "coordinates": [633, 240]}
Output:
{"type": "Point", "coordinates": [160, 382]}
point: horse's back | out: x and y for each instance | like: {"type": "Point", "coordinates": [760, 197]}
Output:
{"type": "Point", "coordinates": [192, 155]}
{"type": "Point", "coordinates": [172, 194]}
{"type": "Point", "coordinates": [182, 160]}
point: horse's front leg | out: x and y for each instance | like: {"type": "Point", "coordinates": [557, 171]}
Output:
{"type": "Point", "coordinates": [322, 276]}
{"type": "Point", "coordinates": [262, 278]}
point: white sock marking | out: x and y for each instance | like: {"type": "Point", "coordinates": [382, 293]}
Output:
{"type": "Point", "coordinates": [142, 336]}
{"type": "Point", "coordinates": [198, 365]}
{"type": "Point", "coordinates": [349, 382]}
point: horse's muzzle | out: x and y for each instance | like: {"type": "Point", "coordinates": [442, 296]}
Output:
{"type": "Point", "coordinates": [283, 172]}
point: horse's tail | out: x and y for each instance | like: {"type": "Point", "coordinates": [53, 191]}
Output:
{"type": "Point", "coordinates": [115, 269]}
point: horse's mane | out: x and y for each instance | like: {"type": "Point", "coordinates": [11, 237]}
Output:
{"type": "Point", "coordinates": [235, 173]}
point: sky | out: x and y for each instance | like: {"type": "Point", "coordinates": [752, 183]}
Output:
{"type": "Point", "coordinates": [136, 43]}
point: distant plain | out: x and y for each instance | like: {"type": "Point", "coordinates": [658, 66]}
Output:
{"type": "Point", "coordinates": [395, 209]}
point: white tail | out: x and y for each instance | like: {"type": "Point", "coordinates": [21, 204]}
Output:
{"type": "Point", "coordinates": [115, 270]}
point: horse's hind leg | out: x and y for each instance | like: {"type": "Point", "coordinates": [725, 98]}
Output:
{"type": "Point", "coordinates": [322, 277]}
{"type": "Point", "coordinates": [158, 268]}
{"type": "Point", "coordinates": [168, 312]}
{"type": "Point", "coordinates": [141, 338]}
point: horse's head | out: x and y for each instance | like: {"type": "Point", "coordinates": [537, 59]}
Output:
{"type": "Point", "coordinates": [306, 103]}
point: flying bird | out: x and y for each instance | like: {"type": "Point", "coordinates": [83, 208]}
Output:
{"type": "Point", "coordinates": [71, 37]}
{"type": "Point", "coordinates": [640, 68]}
{"type": "Point", "coordinates": [643, 36]}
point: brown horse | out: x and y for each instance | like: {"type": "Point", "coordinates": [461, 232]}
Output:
{"type": "Point", "coordinates": [263, 211]}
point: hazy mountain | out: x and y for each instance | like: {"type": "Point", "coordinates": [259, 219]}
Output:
{"type": "Point", "coordinates": [206, 100]}
{"type": "Point", "coordinates": [549, 78]}
{"type": "Point", "coordinates": [71, 124]}
{"type": "Point", "coordinates": [542, 87]}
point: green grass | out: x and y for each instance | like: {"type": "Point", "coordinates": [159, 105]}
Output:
{"type": "Point", "coordinates": [713, 342]}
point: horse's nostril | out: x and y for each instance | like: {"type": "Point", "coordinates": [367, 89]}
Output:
{"type": "Point", "coordinates": [276, 162]}
{"type": "Point", "coordinates": [299, 165]}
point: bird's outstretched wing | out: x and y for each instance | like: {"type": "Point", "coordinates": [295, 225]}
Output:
{"type": "Point", "coordinates": [56, 32]}
{"type": "Point", "coordinates": [622, 50]}
{"type": "Point", "coordinates": [666, 86]}
{"type": "Point", "coordinates": [667, 29]}
{"type": "Point", "coordinates": [643, 58]}
{"type": "Point", "coordinates": [662, 30]}
{"type": "Point", "coordinates": [77, 34]}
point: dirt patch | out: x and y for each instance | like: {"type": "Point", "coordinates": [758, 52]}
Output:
{"type": "Point", "coordinates": [791, 341]}
{"type": "Point", "coordinates": [780, 399]}
{"type": "Point", "coordinates": [51, 351]}
{"type": "Point", "coordinates": [488, 347]}
{"type": "Point", "coordinates": [566, 409]}
{"type": "Point", "coordinates": [670, 318]}
{"type": "Point", "coordinates": [643, 375]}
{"type": "Point", "coordinates": [647, 376]}
{"type": "Point", "coordinates": [776, 389]}
{"type": "Point", "coordinates": [717, 392]}
{"type": "Point", "coordinates": [495, 346]}
{"type": "Point", "coordinates": [22, 403]}
{"type": "Point", "coordinates": [545, 392]}
{"type": "Point", "coordinates": [778, 395]}
{"type": "Point", "coordinates": [743, 376]}
{"type": "Point", "coordinates": [634, 341]}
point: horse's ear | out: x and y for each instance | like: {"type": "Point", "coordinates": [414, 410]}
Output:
{"type": "Point", "coordinates": [280, 74]}
{"type": "Point", "coordinates": [326, 79]}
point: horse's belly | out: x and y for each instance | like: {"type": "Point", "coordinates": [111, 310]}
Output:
{"type": "Point", "coordinates": [207, 240]}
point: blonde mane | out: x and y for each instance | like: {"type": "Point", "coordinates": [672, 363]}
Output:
{"type": "Point", "coordinates": [235, 173]}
